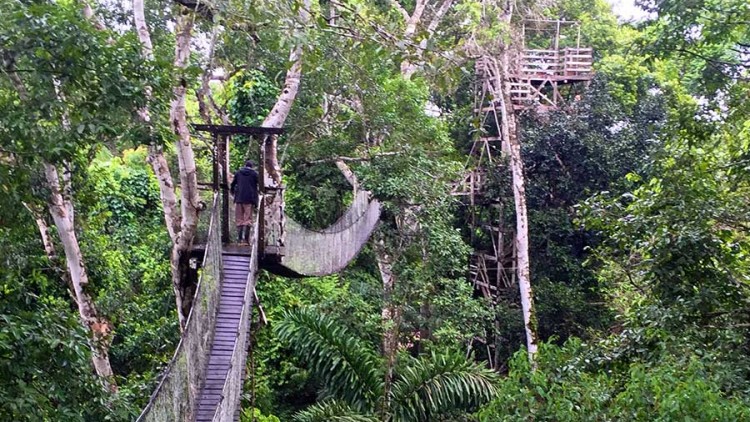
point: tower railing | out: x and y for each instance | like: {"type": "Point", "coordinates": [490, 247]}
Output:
{"type": "Point", "coordinates": [538, 64]}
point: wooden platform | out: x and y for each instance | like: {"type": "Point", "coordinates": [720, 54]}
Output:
{"type": "Point", "coordinates": [236, 266]}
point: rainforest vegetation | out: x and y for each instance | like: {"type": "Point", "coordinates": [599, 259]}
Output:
{"type": "Point", "coordinates": [637, 191]}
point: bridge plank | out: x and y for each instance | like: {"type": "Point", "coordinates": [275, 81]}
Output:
{"type": "Point", "coordinates": [235, 292]}
{"type": "Point", "coordinates": [232, 295]}
{"type": "Point", "coordinates": [229, 323]}
{"type": "Point", "coordinates": [228, 327]}
{"type": "Point", "coordinates": [241, 300]}
{"type": "Point", "coordinates": [231, 291]}
{"type": "Point", "coordinates": [230, 311]}
{"type": "Point", "coordinates": [226, 314]}
{"type": "Point", "coordinates": [236, 263]}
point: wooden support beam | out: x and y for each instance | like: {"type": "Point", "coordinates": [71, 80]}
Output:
{"type": "Point", "coordinates": [238, 130]}
{"type": "Point", "coordinates": [222, 153]}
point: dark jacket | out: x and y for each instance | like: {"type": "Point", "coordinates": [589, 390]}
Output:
{"type": "Point", "coordinates": [245, 186]}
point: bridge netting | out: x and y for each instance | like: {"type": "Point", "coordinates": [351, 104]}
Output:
{"type": "Point", "coordinates": [328, 251]}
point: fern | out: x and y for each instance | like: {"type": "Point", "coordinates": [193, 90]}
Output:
{"type": "Point", "coordinates": [352, 376]}
{"type": "Point", "coordinates": [429, 387]}
{"type": "Point", "coordinates": [332, 411]}
{"type": "Point", "coordinates": [350, 371]}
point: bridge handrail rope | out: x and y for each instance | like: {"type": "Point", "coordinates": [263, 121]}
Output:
{"type": "Point", "coordinates": [186, 370]}
{"type": "Point", "coordinates": [230, 395]}
{"type": "Point", "coordinates": [356, 212]}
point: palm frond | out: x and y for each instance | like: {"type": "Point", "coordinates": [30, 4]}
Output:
{"type": "Point", "coordinates": [332, 411]}
{"type": "Point", "coordinates": [350, 371]}
{"type": "Point", "coordinates": [429, 386]}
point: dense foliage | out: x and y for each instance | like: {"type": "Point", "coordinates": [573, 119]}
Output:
{"type": "Point", "coordinates": [637, 189]}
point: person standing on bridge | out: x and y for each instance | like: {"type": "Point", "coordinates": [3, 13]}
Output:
{"type": "Point", "coordinates": [244, 187]}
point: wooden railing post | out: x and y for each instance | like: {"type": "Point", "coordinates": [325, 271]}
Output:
{"type": "Point", "coordinates": [261, 239]}
{"type": "Point", "coordinates": [223, 155]}
{"type": "Point", "coordinates": [215, 150]}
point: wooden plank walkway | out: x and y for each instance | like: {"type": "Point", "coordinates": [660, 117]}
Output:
{"type": "Point", "coordinates": [234, 281]}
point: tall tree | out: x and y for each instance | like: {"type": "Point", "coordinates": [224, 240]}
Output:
{"type": "Point", "coordinates": [61, 108]}
{"type": "Point", "coordinates": [509, 130]}
{"type": "Point", "coordinates": [497, 55]}
{"type": "Point", "coordinates": [181, 217]}
{"type": "Point", "coordinates": [61, 209]}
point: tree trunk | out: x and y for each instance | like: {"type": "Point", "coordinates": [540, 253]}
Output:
{"type": "Point", "coordinates": [141, 28]}
{"type": "Point", "coordinates": [280, 111]}
{"type": "Point", "coordinates": [167, 193]}
{"type": "Point", "coordinates": [155, 152]}
{"type": "Point", "coordinates": [180, 217]}
{"type": "Point", "coordinates": [272, 183]}
{"type": "Point", "coordinates": [408, 68]}
{"type": "Point", "coordinates": [278, 114]}
{"type": "Point", "coordinates": [510, 135]}
{"type": "Point", "coordinates": [100, 329]}
{"type": "Point", "coordinates": [189, 199]}
{"type": "Point", "coordinates": [390, 315]}
{"type": "Point", "coordinates": [61, 209]}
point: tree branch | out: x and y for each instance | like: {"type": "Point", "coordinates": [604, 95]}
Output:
{"type": "Point", "coordinates": [439, 16]}
{"type": "Point", "coordinates": [200, 7]}
{"type": "Point", "coordinates": [416, 17]}
{"type": "Point", "coordinates": [9, 64]}
{"type": "Point", "coordinates": [400, 9]}
{"type": "Point", "coordinates": [348, 174]}
{"type": "Point", "coordinates": [716, 64]}
{"type": "Point", "coordinates": [206, 101]}
{"type": "Point", "coordinates": [351, 159]}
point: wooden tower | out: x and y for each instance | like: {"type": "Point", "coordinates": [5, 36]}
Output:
{"type": "Point", "coordinates": [545, 73]}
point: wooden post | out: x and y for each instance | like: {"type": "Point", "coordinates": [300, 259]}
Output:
{"type": "Point", "coordinates": [223, 164]}
{"type": "Point", "coordinates": [215, 152]}
{"type": "Point", "coordinates": [557, 37]}
{"type": "Point", "coordinates": [261, 214]}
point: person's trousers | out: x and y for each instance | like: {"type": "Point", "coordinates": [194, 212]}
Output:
{"type": "Point", "coordinates": [243, 214]}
